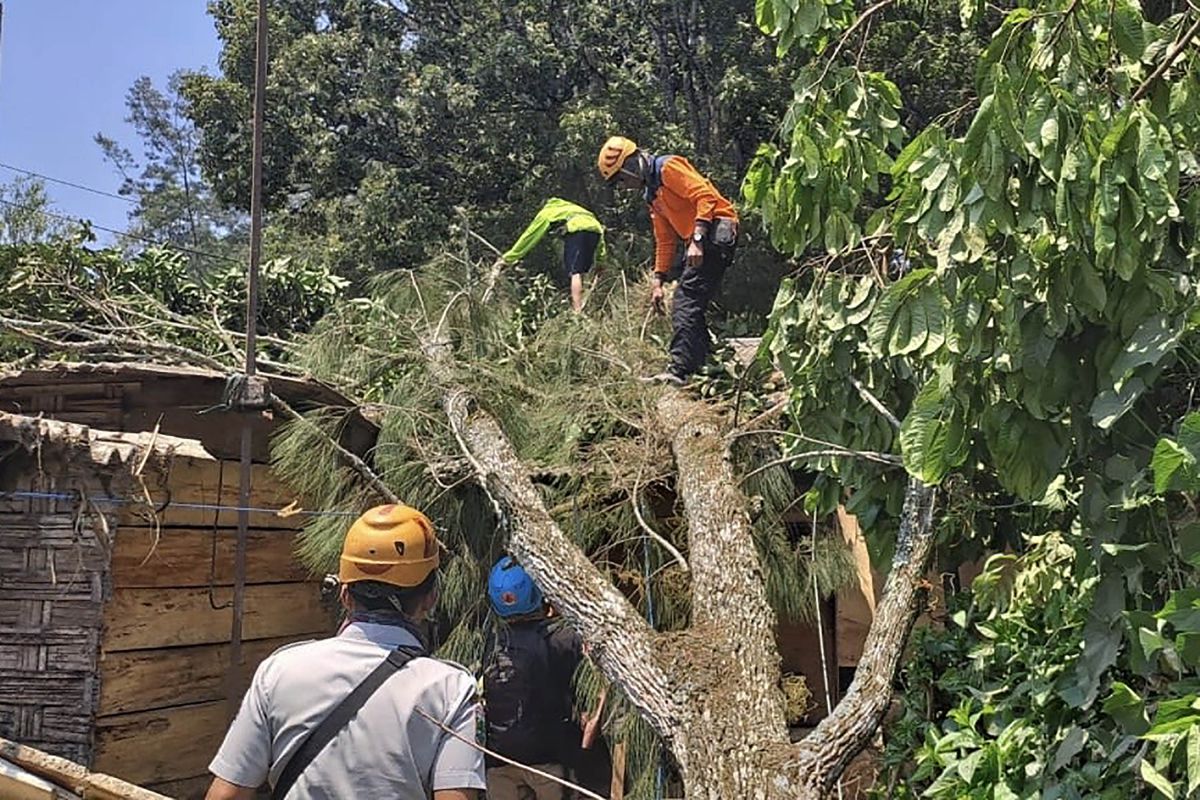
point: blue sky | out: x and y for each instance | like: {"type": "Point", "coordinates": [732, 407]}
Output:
{"type": "Point", "coordinates": [65, 66]}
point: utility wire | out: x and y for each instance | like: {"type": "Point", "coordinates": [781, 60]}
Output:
{"type": "Point", "coordinates": [119, 501]}
{"type": "Point", "coordinates": [101, 192]}
{"type": "Point", "coordinates": [72, 184]}
{"type": "Point", "coordinates": [125, 234]}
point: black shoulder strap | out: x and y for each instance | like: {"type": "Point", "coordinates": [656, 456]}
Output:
{"type": "Point", "coordinates": [342, 713]}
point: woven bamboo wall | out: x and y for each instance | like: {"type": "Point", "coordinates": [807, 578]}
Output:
{"type": "Point", "coordinates": [53, 580]}
{"type": "Point", "coordinates": [124, 668]}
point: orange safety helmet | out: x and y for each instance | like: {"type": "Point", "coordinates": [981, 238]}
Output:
{"type": "Point", "coordinates": [613, 155]}
{"type": "Point", "coordinates": [391, 544]}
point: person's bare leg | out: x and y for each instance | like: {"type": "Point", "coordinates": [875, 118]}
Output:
{"type": "Point", "coordinates": [577, 292]}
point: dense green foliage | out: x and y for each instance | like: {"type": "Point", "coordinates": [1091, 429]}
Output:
{"type": "Point", "coordinates": [1037, 346]}
{"type": "Point", "coordinates": [61, 299]}
{"type": "Point", "coordinates": [388, 118]}
{"type": "Point", "coordinates": [564, 388]}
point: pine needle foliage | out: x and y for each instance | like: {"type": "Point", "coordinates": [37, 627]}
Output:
{"type": "Point", "coordinates": [564, 388]}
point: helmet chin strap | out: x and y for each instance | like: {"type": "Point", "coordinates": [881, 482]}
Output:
{"type": "Point", "coordinates": [638, 171]}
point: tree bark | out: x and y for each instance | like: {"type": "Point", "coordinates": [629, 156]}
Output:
{"type": "Point", "coordinates": [826, 752]}
{"type": "Point", "coordinates": [730, 666]}
{"type": "Point", "coordinates": [624, 646]}
{"type": "Point", "coordinates": [711, 692]}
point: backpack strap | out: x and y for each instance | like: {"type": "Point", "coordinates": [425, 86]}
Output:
{"type": "Point", "coordinates": [654, 179]}
{"type": "Point", "coordinates": [337, 719]}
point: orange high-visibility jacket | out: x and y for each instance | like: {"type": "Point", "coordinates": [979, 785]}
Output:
{"type": "Point", "coordinates": [683, 197]}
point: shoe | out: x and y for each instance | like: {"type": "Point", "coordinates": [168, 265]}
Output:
{"type": "Point", "coordinates": [669, 378]}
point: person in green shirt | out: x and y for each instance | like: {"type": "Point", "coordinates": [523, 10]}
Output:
{"type": "Point", "coordinates": [583, 238]}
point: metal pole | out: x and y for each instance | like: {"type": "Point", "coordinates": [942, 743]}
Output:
{"type": "Point", "coordinates": [239, 559]}
{"type": "Point", "coordinates": [1, 38]}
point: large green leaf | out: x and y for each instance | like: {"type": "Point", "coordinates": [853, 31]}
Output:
{"type": "Point", "coordinates": [1176, 463]}
{"type": "Point", "coordinates": [1156, 779]}
{"type": "Point", "coordinates": [889, 313]}
{"type": "Point", "coordinates": [1193, 760]}
{"type": "Point", "coordinates": [1027, 452]}
{"type": "Point", "coordinates": [1129, 710]}
{"type": "Point", "coordinates": [933, 436]}
{"type": "Point", "coordinates": [1112, 403]}
{"type": "Point", "coordinates": [1127, 30]}
{"type": "Point", "coordinates": [1153, 339]}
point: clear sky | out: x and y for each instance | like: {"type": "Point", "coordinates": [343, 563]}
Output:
{"type": "Point", "coordinates": [65, 66]}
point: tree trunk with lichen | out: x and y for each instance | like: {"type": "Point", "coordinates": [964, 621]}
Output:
{"type": "Point", "coordinates": [712, 692]}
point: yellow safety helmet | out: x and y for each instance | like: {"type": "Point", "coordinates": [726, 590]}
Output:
{"type": "Point", "coordinates": [391, 544]}
{"type": "Point", "coordinates": [613, 155]}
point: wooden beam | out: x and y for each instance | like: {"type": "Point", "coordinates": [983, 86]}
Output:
{"type": "Point", "coordinates": [20, 784]}
{"type": "Point", "coordinates": [141, 680]}
{"type": "Point", "coordinates": [162, 745]}
{"type": "Point", "coordinates": [87, 784]}
{"type": "Point", "coordinates": [141, 619]}
{"type": "Point", "coordinates": [184, 557]}
{"type": "Point", "coordinates": [617, 787]}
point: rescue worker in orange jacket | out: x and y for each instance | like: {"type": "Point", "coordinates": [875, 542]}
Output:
{"type": "Point", "coordinates": [684, 206]}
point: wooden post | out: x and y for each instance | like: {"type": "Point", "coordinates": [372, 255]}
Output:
{"type": "Point", "coordinates": [256, 203]}
{"type": "Point", "coordinates": [617, 787]}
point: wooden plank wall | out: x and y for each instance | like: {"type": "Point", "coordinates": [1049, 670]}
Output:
{"type": "Point", "coordinates": [162, 712]}
{"type": "Point", "coordinates": [53, 570]}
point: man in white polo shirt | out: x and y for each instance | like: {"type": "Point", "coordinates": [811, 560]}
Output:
{"type": "Point", "coordinates": [337, 708]}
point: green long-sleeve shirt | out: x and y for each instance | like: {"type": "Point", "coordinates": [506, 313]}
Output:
{"type": "Point", "coordinates": [556, 211]}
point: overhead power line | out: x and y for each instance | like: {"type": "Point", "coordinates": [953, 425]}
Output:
{"type": "Point", "coordinates": [125, 234]}
{"type": "Point", "coordinates": [101, 192]}
{"type": "Point", "coordinates": [72, 184]}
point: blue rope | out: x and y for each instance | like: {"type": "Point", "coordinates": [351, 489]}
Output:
{"type": "Point", "coordinates": [660, 774]}
{"type": "Point", "coordinates": [116, 501]}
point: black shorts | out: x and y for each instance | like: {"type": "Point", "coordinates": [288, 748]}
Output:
{"type": "Point", "coordinates": [579, 252]}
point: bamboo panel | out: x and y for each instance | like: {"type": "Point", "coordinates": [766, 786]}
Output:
{"type": "Point", "coordinates": [184, 557]}
{"type": "Point", "coordinates": [141, 680]}
{"type": "Point", "coordinates": [139, 619]}
{"type": "Point", "coordinates": [71, 650]}
{"type": "Point", "coordinates": [43, 689]}
{"type": "Point", "coordinates": [163, 745]}
{"type": "Point", "coordinates": [48, 565]}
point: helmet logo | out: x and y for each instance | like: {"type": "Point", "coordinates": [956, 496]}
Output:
{"type": "Point", "coordinates": [508, 598]}
{"type": "Point", "coordinates": [399, 547]}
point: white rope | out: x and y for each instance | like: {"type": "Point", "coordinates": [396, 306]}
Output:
{"type": "Point", "coordinates": [506, 759]}
{"type": "Point", "coordinates": [821, 634]}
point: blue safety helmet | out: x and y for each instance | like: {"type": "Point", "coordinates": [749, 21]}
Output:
{"type": "Point", "coordinates": [510, 589]}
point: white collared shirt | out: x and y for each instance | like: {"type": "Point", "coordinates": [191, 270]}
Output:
{"type": "Point", "coordinates": [386, 750]}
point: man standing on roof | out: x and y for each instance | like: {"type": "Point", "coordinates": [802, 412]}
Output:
{"type": "Point", "coordinates": [331, 718]}
{"type": "Point", "coordinates": [684, 206]}
{"type": "Point", "coordinates": [582, 236]}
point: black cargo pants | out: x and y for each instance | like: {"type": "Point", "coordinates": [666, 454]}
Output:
{"type": "Point", "coordinates": [697, 287]}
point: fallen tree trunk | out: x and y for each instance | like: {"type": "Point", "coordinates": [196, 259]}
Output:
{"type": "Point", "coordinates": [729, 663]}
{"type": "Point", "coordinates": [826, 752]}
{"type": "Point", "coordinates": [621, 642]}
{"type": "Point", "coordinates": [711, 692]}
